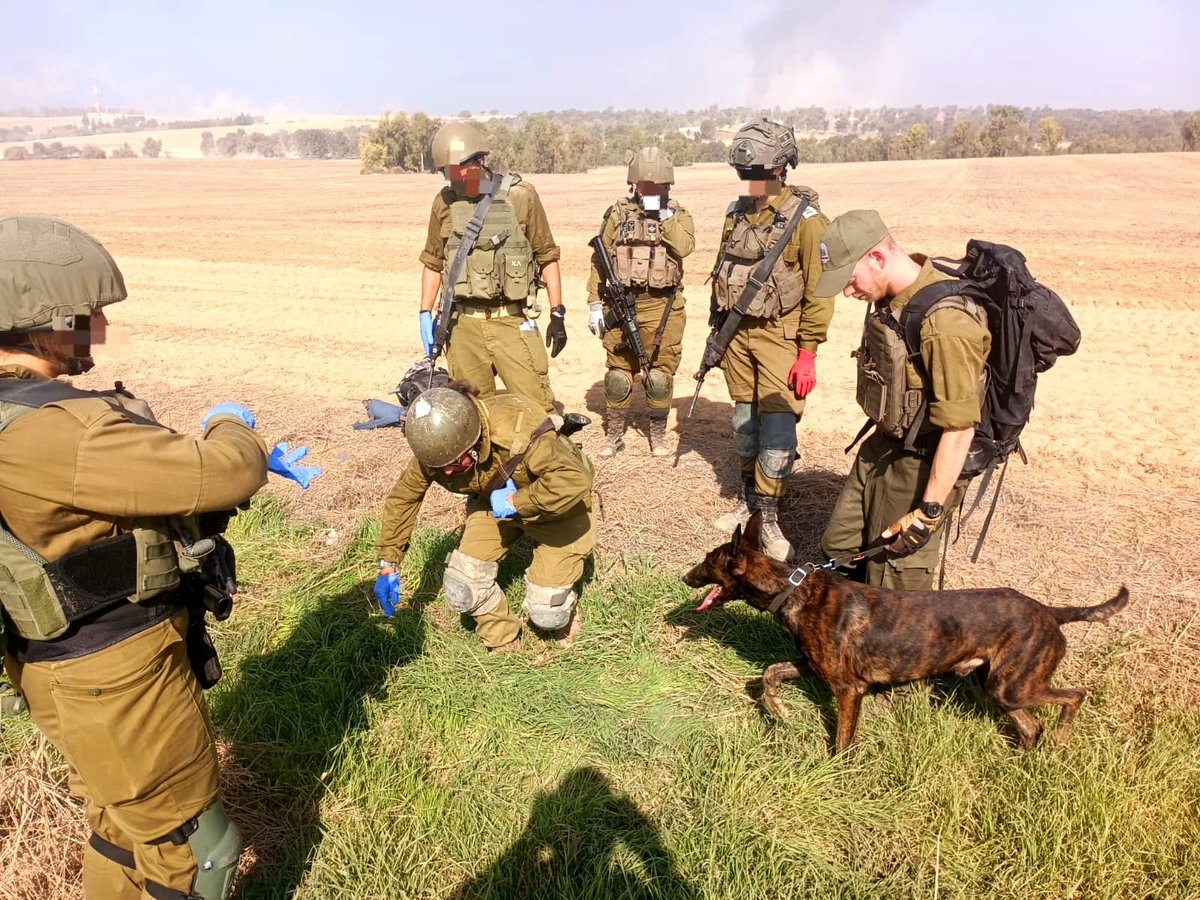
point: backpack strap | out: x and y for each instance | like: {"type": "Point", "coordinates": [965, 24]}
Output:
{"type": "Point", "coordinates": [507, 469]}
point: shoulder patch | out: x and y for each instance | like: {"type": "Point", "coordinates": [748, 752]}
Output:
{"type": "Point", "coordinates": [810, 211]}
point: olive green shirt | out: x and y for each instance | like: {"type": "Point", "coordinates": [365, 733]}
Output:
{"type": "Point", "coordinates": [529, 211]}
{"type": "Point", "coordinates": [803, 251]}
{"type": "Point", "coordinates": [79, 471]}
{"type": "Point", "coordinates": [552, 480]}
{"type": "Point", "coordinates": [954, 349]}
{"type": "Point", "coordinates": [678, 233]}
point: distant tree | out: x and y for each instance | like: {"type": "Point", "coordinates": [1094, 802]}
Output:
{"type": "Point", "coordinates": [913, 144]}
{"type": "Point", "coordinates": [38, 149]}
{"type": "Point", "coordinates": [961, 142]}
{"type": "Point", "coordinates": [1005, 133]}
{"type": "Point", "coordinates": [1050, 134]}
{"type": "Point", "coordinates": [464, 114]}
{"type": "Point", "coordinates": [708, 129]}
{"type": "Point", "coordinates": [680, 149]}
{"type": "Point", "coordinates": [16, 154]}
{"type": "Point", "coordinates": [151, 148]}
{"type": "Point", "coordinates": [208, 146]}
{"type": "Point", "coordinates": [545, 147]}
{"type": "Point", "coordinates": [123, 152]}
{"type": "Point", "coordinates": [91, 151]}
{"type": "Point", "coordinates": [1191, 132]}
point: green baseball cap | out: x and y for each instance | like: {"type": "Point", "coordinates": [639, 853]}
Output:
{"type": "Point", "coordinates": [846, 241]}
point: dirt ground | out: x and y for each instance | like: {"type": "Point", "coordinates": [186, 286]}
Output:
{"type": "Point", "coordinates": [292, 287]}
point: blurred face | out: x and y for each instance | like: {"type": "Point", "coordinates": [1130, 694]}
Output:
{"type": "Point", "coordinates": [759, 181]}
{"type": "Point", "coordinates": [867, 281]}
{"type": "Point", "coordinates": [466, 178]}
{"type": "Point", "coordinates": [464, 464]}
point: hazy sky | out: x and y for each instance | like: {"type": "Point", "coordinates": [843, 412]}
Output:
{"type": "Point", "coordinates": [208, 57]}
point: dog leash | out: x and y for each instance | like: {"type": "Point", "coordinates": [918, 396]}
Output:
{"type": "Point", "coordinates": [797, 576]}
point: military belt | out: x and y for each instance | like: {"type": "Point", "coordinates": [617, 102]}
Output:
{"type": "Point", "coordinates": [490, 311]}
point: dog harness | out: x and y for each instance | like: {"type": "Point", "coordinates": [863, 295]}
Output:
{"type": "Point", "coordinates": [798, 574]}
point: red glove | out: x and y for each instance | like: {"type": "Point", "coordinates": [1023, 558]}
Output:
{"type": "Point", "coordinates": [803, 377]}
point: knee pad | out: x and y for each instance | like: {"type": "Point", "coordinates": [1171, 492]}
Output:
{"type": "Point", "coordinates": [549, 608]}
{"type": "Point", "coordinates": [659, 385]}
{"type": "Point", "coordinates": [470, 584]}
{"type": "Point", "coordinates": [618, 385]}
{"type": "Point", "coordinates": [216, 843]}
{"type": "Point", "coordinates": [745, 429]}
{"type": "Point", "coordinates": [777, 434]}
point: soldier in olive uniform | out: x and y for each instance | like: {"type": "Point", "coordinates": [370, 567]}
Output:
{"type": "Point", "coordinates": [494, 330]}
{"type": "Point", "coordinates": [770, 366]}
{"type": "Point", "coordinates": [902, 483]}
{"type": "Point", "coordinates": [647, 235]}
{"type": "Point", "coordinates": [520, 477]}
{"type": "Point", "coordinates": [90, 497]}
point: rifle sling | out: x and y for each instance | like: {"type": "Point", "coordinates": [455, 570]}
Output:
{"type": "Point", "coordinates": [762, 272]}
{"type": "Point", "coordinates": [471, 234]}
{"type": "Point", "coordinates": [507, 469]}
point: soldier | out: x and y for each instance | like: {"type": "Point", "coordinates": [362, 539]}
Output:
{"type": "Point", "coordinates": [520, 477]}
{"type": "Point", "coordinates": [647, 235]}
{"type": "Point", "coordinates": [770, 366]}
{"type": "Point", "coordinates": [494, 325]}
{"type": "Point", "coordinates": [106, 516]}
{"type": "Point", "coordinates": [901, 484]}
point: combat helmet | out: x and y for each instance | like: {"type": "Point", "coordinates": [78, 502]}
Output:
{"type": "Point", "coordinates": [455, 143]}
{"type": "Point", "coordinates": [651, 164]}
{"type": "Point", "coordinates": [766, 143]}
{"type": "Point", "coordinates": [441, 425]}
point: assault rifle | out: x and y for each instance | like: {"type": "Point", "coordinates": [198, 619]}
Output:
{"type": "Point", "coordinates": [622, 306]}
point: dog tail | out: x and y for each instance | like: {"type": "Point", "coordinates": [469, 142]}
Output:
{"type": "Point", "coordinates": [1099, 613]}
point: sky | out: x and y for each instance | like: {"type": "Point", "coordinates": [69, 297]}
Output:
{"type": "Point", "coordinates": [221, 57]}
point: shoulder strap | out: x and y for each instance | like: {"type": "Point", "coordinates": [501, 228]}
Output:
{"type": "Point", "coordinates": [506, 470]}
{"type": "Point", "coordinates": [923, 301]}
{"type": "Point", "coordinates": [762, 271]}
{"type": "Point", "coordinates": [498, 187]}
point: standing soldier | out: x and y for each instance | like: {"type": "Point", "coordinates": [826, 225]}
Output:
{"type": "Point", "coordinates": [110, 540]}
{"type": "Point", "coordinates": [520, 477]}
{"type": "Point", "coordinates": [489, 271]}
{"type": "Point", "coordinates": [770, 366]}
{"type": "Point", "coordinates": [647, 235]}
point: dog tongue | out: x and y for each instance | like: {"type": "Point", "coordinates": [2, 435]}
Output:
{"type": "Point", "coordinates": [709, 599]}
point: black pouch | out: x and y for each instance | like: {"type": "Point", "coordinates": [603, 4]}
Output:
{"type": "Point", "coordinates": [202, 653]}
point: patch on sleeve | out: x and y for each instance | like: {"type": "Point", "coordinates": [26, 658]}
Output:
{"type": "Point", "coordinates": [810, 211]}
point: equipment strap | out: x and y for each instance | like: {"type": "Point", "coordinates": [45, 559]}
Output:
{"type": "Point", "coordinates": [507, 469]}
{"type": "Point", "coordinates": [762, 272]}
{"type": "Point", "coordinates": [797, 576]}
{"type": "Point", "coordinates": [471, 233]}
{"type": "Point", "coordinates": [109, 850]}
{"type": "Point", "coordinates": [987, 522]}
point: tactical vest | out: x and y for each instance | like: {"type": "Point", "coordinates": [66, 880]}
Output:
{"type": "Point", "coordinates": [639, 256]}
{"type": "Point", "coordinates": [43, 598]}
{"type": "Point", "coordinates": [500, 267]}
{"type": "Point", "coordinates": [890, 387]}
{"type": "Point", "coordinates": [746, 245]}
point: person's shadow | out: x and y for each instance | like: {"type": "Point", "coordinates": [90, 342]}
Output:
{"type": "Point", "coordinates": [583, 840]}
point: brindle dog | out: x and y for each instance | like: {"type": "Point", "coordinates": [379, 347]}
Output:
{"type": "Point", "coordinates": [853, 636]}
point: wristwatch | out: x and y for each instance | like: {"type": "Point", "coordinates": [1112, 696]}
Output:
{"type": "Point", "coordinates": [932, 510]}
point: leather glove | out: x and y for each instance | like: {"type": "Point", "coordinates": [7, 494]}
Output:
{"type": "Point", "coordinates": [282, 461]}
{"type": "Point", "coordinates": [556, 330]}
{"type": "Point", "coordinates": [714, 312]}
{"type": "Point", "coordinates": [426, 324]}
{"type": "Point", "coordinates": [388, 588]}
{"type": "Point", "coordinates": [228, 409]}
{"type": "Point", "coordinates": [911, 532]}
{"type": "Point", "coordinates": [501, 500]}
{"type": "Point", "coordinates": [596, 318]}
{"type": "Point", "coordinates": [803, 376]}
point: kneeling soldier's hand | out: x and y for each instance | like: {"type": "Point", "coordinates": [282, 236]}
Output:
{"type": "Point", "coordinates": [388, 588]}
{"type": "Point", "coordinates": [912, 531]}
{"type": "Point", "coordinates": [501, 500]}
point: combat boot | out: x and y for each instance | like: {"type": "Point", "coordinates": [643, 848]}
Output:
{"type": "Point", "coordinates": [658, 433]}
{"type": "Point", "coordinates": [741, 513]}
{"type": "Point", "coordinates": [614, 428]}
{"type": "Point", "coordinates": [775, 545]}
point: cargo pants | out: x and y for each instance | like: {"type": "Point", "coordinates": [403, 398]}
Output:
{"type": "Point", "coordinates": [670, 352]}
{"type": "Point", "coordinates": [497, 339]}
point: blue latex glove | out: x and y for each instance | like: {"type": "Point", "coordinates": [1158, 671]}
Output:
{"type": "Point", "coordinates": [282, 461]}
{"type": "Point", "coordinates": [501, 498]}
{"type": "Point", "coordinates": [228, 409]}
{"type": "Point", "coordinates": [381, 414]}
{"type": "Point", "coordinates": [388, 590]}
{"type": "Point", "coordinates": [427, 331]}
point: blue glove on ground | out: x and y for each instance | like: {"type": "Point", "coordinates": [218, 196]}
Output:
{"type": "Point", "coordinates": [381, 414]}
{"type": "Point", "coordinates": [228, 409]}
{"type": "Point", "coordinates": [427, 331]}
{"type": "Point", "coordinates": [501, 498]}
{"type": "Point", "coordinates": [387, 591]}
{"type": "Point", "coordinates": [282, 461]}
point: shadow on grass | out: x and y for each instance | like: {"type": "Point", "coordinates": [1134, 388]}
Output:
{"type": "Point", "coordinates": [583, 840]}
{"type": "Point", "coordinates": [293, 709]}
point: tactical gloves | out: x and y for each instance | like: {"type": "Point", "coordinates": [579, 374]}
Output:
{"type": "Point", "coordinates": [426, 324]}
{"type": "Point", "coordinates": [282, 461]}
{"type": "Point", "coordinates": [501, 500]}
{"type": "Point", "coordinates": [803, 376]}
{"type": "Point", "coordinates": [596, 318]}
{"type": "Point", "coordinates": [556, 331]}
{"type": "Point", "coordinates": [911, 532]}
{"type": "Point", "coordinates": [228, 409]}
{"type": "Point", "coordinates": [388, 588]}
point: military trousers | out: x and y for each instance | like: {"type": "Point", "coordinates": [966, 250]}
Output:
{"type": "Point", "coordinates": [885, 482]}
{"type": "Point", "coordinates": [561, 547]}
{"type": "Point", "coordinates": [498, 340]}
{"type": "Point", "coordinates": [133, 726]}
{"type": "Point", "coordinates": [666, 358]}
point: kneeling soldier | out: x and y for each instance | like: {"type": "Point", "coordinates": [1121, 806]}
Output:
{"type": "Point", "coordinates": [520, 477]}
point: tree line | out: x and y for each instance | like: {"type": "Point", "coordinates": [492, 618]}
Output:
{"type": "Point", "coordinates": [58, 150]}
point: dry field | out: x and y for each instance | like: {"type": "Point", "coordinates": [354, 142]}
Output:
{"type": "Point", "coordinates": [292, 286]}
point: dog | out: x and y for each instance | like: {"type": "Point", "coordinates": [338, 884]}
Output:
{"type": "Point", "coordinates": [853, 636]}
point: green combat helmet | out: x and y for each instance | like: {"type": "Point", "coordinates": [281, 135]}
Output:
{"type": "Point", "coordinates": [455, 143]}
{"type": "Point", "coordinates": [766, 143]}
{"type": "Point", "coordinates": [651, 164]}
{"type": "Point", "coordinates": [441, 425]}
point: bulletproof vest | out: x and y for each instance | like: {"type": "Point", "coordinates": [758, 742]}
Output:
{"type": "Point", "coordinates": [890, 387]}
{"type": "Point", "coordinates": [639, 256]}
{"type": "Point", "coordinates": [746, 245]}
{"type": "Point", "coordinates": [500, 267]}
{"type": "Point", "coordinates": [43, 598]}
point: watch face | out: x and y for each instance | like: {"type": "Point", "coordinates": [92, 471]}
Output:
{"type": "Point", "coordinates": [933, 510]}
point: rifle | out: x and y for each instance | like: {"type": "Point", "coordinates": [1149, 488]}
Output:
{"type": "Point", "coordinates": [622, 306]}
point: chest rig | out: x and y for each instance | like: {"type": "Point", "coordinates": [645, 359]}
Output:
{"type": "Point", "coordinates": [640, 257]}
{"type": "Point", "coordinates": [745, 245]}
{"type": "Point", "coordinates": [500, 267]}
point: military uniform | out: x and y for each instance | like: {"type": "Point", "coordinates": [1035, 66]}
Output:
{"type": "Point", "coordinates": [888, 479]}
{"type": "Point", "coordinates": [495, 331]}
{"type": "Point", "coordinates": [553, 505]}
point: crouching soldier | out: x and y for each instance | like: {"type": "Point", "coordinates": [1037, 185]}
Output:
{"type": "Point", "coordinates": [520, 477]}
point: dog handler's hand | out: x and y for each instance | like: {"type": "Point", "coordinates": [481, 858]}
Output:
{"type": "Point", "coordinates": [911, 532]}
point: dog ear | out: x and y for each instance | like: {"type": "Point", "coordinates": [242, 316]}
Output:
{"type": "Point", "coordinates": [736, 541]}
{"type": "Point", "coordinates": [752, 536]}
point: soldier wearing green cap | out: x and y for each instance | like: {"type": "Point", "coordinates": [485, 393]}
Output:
{"type": "Point", "coordinates": [905, 476]}
{"type": "Point", "coordinates": [494, 329]}
{"type": "Point", "coordinates": [104, 516]}
{"type": "Point", "coordinates": [647, 234]}
{"type": "Point", "coordinates": [770, 366]}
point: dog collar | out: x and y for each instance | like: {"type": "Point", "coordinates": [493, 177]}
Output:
{"type": "Point", "coordinates": [795, 579]}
